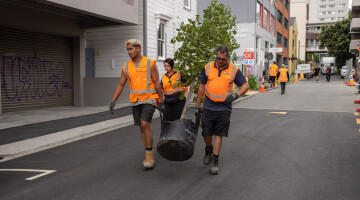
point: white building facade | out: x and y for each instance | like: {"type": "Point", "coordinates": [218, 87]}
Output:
{"type": "Point", "coordinates": [158, 21]}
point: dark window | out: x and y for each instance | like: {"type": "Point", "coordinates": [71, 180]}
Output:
{"type": "Point", "coordinates": [286, 23]}
{"type": "Point", "coordinates": [287, 5]}
{"type": "Point", "coordinates": [279, 36]}
{"type": "Point", "coordinates": [285, 42]}
{"type": "Point", "coordinates": [279, 17]}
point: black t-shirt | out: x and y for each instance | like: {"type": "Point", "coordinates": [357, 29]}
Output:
{"type": "Point", "coordinates": [317, 70]}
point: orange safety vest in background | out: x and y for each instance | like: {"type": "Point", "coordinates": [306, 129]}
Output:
{"type": "Point", "coordinates": [273, 69]}
{"type": "Point", "coordinates": [140, 83]}
{"type": "Point", "coordinates": [283, 75]}
{"type": "Point", "coordinates": [168, 84]}
{"type": "Point", "coordinates": [218, 88]}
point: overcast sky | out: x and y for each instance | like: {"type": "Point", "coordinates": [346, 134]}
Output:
{"type": "Point", "coordinates": [350, 2]}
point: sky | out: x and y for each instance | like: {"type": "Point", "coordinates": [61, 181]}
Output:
{"type": "Point", "coordinates": [350, 2]}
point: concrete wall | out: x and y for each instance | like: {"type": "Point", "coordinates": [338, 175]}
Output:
{"type": "Point", "coordinates": [124, 11]}
{"type": "Point", "coordinates": [104, 88]}
{"type": "Point", "coordinates": [299, 10]}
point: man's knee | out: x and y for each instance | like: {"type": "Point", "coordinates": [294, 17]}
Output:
{"type": "Point", "coordinates": [144, 124]}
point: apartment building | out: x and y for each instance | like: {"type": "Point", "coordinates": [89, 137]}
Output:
{"type": "Point", "coordinates": [355, 26]}
{"type": "Point", "coordinates": [282, 37]}
{"type": "Point", "coordinates": [293, 48]}
{"type": "Point", "coordinates": [256, 24]}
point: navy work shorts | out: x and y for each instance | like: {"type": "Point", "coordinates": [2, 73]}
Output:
{"type": "Point", "coordinates": [215, 122]}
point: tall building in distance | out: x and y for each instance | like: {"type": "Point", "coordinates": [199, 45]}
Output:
{"type": "Point", "coordinates": [323, 11]}
{"type": "Point", "coordinates": [282, 36]}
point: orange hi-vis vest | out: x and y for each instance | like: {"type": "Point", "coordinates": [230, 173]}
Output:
{"type": "Point", "coordinates": [272, 70]}
{"type": "Point", "coordinates": [168, 84]}
{"type": "Point", "coordinates": [140, 83]}
{"type": "Point", "coordinates": [283, 75]}
{"type": "Point", "coordinates": [218, 88]}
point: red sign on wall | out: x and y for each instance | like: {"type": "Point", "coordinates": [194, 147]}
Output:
{"type": "Point", "coordinates": [249, 55]}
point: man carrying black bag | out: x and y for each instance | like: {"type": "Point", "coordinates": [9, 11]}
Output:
{"type": "Point", "coordinates": [217, 79]}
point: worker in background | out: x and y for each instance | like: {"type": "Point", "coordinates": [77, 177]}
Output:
{"type": "Point", "coordinates": [283, 77]}
{"type": "Point", "coordinates": [273, 70]}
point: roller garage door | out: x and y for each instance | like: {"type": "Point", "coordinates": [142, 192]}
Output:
{"type": "Point", "coordinates": [36, 70]}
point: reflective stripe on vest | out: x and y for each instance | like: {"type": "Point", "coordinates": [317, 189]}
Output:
{"type": "Point", "coordinates": [222, 97]}
{"type": "Point", "coordinates": [173, 91]}
{"type": "Point", "coordinates": [148, 73]}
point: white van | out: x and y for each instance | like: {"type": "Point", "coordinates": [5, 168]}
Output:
{"type": "Point", "coordinates": [305, 69]}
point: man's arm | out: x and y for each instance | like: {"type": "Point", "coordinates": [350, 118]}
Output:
{"type": "Point", "coordinates": [120, 86]}
{"type": "Point", "coordinates": [200, 94]}
{"type": "Point", "coordinates": [155, 79]}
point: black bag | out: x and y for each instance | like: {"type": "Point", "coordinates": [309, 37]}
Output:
{"type": "Point", "coordinates": [177, 138]}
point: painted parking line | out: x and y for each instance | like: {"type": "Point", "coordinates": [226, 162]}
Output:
{"type": "Point", "coordinates": [358, 121]}
{"type": "Point", "coordinates": [355, 113]}
{"type": "Point", "coordinates": [43, 172]}
{"type": "Point", "coordinates": [280, 113]}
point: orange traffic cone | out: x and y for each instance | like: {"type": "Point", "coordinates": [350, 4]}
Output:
{"type": "Point", "coordinates": [247, 81]}
{"type": "Point", "coordinates": [351, 83]}
{"type": "Point", "coordinates": [296, 78]}
{"type": "Point", "coordinates": [302, 76]}
{"type": "Point", "coordinates": [262, 86]}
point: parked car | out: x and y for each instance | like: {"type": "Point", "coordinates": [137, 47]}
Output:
{"type": "Point", "coordinates": [344, 71]}
{"type": "Point", "coordinates": [305, 69]}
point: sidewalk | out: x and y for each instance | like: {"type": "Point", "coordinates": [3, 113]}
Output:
{"type": "Point", "coordinates": [27, 132]}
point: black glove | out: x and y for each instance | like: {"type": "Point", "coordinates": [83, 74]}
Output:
{"type": "Point", "coordinates": [198, 110]}
{"type": "Point", "coordinates": [231, 98]}
{"type": "Point", "coordinates": [111, 107]}
{"type": "Point", "coordinates": [161, 106]}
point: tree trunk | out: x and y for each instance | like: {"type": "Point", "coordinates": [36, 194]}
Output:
{"type": "Point", "coordinates": [192, 88]}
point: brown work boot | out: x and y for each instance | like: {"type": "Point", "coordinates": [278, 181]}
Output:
{"type": "Point", "coordinates": [149, 161]}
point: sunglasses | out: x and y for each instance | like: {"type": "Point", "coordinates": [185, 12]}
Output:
{"type": "Point", "coordinates": [222, 59]}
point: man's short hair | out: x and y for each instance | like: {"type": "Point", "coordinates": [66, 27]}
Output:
{"type": "Point", "coordinates": [274, 62]}
{"type": "Point", "coordinates": [223, 49]}
{"type": "Point", "coordinates": [134, 42]}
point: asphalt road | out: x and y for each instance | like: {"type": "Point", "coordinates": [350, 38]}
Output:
{"type": "Point", "coordinates": [307, 153]}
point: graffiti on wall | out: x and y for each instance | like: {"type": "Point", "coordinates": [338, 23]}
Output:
{"type": "Point", "coordinates": [32, 77]}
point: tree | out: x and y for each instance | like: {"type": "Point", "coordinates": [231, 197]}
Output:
{"type": "Point", "coordinates": [313, 57]}
{"type": "Point", "coordinates": [336, 39]}
{"type": "Point", "coordinates": [200, 39]}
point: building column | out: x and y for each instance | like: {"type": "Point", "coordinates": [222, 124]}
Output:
{"type": "Point", "coordinates": [79, 69]}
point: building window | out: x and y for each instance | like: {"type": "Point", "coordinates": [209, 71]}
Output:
{"type": "Point", "coordinates": [279, 17]}
{"type": "Point", "coordinates": [331, 6]}
{"type": "Point", "coordinates": [285, 42]}
{"type": "Point", "coordinates": [286, 24]}
{"type": "Point", "coordinates": [161, 41]}
{"type": "Point", "coordinates": [265, 19]}
{"type": "Point", "coordinates": [341, 11]}
{"type": "Point", "coordinates": [258, 14]}
{"type": "Point", "coordinates": [286, 4]}
{"type": "Point", "coordinates": [322, 6]}
{"type": "Point", "coordinates": [187, 4]}
{"type": "Point", "coordinates": [272, 24]}
{"type": "Point", "coordinates": [279, 36]}
{"type": "Point", "coordinates": [258, 50]}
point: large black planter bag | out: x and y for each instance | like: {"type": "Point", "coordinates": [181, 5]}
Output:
{"type": "Point", "coordinates": [177, 139]}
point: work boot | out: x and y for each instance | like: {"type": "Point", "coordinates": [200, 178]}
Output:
{"type": "Point", "coordinates": [208, 155]}
{"type": "Point", "coordinates": [149, 161]}
{"type": "Point", "coordinates": [214, 166]}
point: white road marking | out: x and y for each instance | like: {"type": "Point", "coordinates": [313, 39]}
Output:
{"type": "Point", "coordinates": [43, 172]}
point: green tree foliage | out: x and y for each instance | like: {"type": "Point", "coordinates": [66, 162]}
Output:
{"type": "Point", "coordinates": [313, 56]}
{"type": "Point", "coordinates": [199, 40]}
{"type": "Point", "coordinates": [336, 39]}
